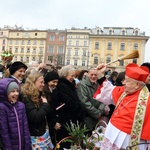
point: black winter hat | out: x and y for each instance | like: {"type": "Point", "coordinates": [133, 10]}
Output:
{"type": "Point", "coordinates": [16, 66]}
{"type": "Point", "coordinates": [52, 75]}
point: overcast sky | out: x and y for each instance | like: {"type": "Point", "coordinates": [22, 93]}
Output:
{"type": "Point", "coordinates": [64, 14]}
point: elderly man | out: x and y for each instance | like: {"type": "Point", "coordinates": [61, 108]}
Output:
{"type": "Point", "coordinates": [93, 109]}
{"type": "Point", "coordinates": [129, 124]}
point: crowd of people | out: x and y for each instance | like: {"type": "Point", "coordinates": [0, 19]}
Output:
{"type": "Point", "coordinates": [37, 103]}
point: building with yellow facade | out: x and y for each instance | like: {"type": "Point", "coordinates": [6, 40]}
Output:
{"type": "Point", "coordinates": [109, 44]}
{"type": "Point", "coordinates": [27, 45]}
{"type": "Point", "coordinates": [3, 40]}
{"type": "Point", "coordinates": [82, 48]}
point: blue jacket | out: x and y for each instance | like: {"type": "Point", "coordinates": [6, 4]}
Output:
{"type": "Point", "coordinates": [14, 132]}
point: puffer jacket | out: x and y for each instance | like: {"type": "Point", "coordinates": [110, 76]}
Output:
{"type": "Point", "coordinates": [14, 132]}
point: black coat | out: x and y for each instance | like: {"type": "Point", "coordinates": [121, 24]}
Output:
{"type": "Point", "coordinates": [52, 98]}
{"type": "Point", "coordinates": [53, 116]}
{"type": "Point", "coordinates": [73, 109]}
{"type": "Point", "coordinates": [36, 116]}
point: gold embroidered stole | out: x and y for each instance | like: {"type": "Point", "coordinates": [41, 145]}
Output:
{"type": "Point", "coordinates": [139, 118]}
{"type": "Point", "coordinates": [120, 99]}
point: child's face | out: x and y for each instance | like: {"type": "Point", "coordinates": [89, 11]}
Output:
{"type": "Point", "coordinates": [13, 96]}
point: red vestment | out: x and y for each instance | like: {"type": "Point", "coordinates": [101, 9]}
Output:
{"type": "Point", "coordinates": [123, 115]}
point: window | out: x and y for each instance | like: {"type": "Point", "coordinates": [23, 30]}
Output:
{"type": "Point", "coordinates": [95, 60]}
{"type": "Point", "coordinates": [136, 33]}
{"type": "Point", "coordinates": [3, 41]}
{"type": "Point", "coordinates": [3, 48]}
{"type": "Point", "coordinates": [97, 32]}
{"type": "Point", "coordinates": [33, 58]}
{"type": "Point", "coordinates": [122, 46]}
{"type": "Point", "coordinates": [17, 34]}
{"type": "Point", "coordinates": [77, 43]}
{"type": "Point", "coordinates": [10, 48]}
{"type": "Point", "coordinates": [85, 43]}
{"type": "Point", "coordinates": [50, 58]}
{"type": "Point", "coordinates": [68, 62]}
{"type": "Point", "coordinates": [41, 50]}
{"type": "Point", "coordinates": [1, 33]}
{"type": "Point", "coordinates": [96, 45]}
{"type": "Point", "coordinates": [28, 50]}
{"type": "Point", "coordinates": [22, 42]}
{"type": "Point", "coordinates": [27, 59]}
{"type": "Point", "coordinates": [109, 46]}
{"type": "Point", "coordinates": [69, 43]}
{"type": "Point", "coordinates": [59, 60]}
{"type": "Point", "coordinates": [108, 59]}
{"type": "Point", "coordinates": [21, 59]}
{"type": "Point", "coordinates": [110, 32]}
{"type": "Point", "coordinates": [34, 51]}
{"type": "Point", "coordinates": [35, 34]}
{"type": "Point", "coordinates": [40, 59]}
{"type": "Point", "coordinates": [15, 58]}
{"type": "Point", "coordinates": [123, 32]}
{"type": "Point", "coordinates": [121, 63]}
{"type": "Point", "coordinates": [16, 50]}
{"type": "Point", "coordinates": [60, 49]}
{"type": "Point", "coordinates": [61, 38]}
{"type": "Point", "coordinates": [135, 60]}
{"type": "Point", "coordinates": [69, 52]}
{"type": "Point", "coordinates": [10, 42]}
{"type": "Point", "coordinates": [17, 42]}
{"type": "Point", "coordinates": [22, 50]}
{"type": "Point", "coordinates": [84, 52]}
{"type": "Point", "coordinates": [51, 49]}
{"type": "Point", "coordinates": [34, 42]}
{"type": "Point", "coordinates": [29, 42]}
{"type": "Point", "coordinates": [41, 42]}
{"type": "Point", "coordinates": [75, 62]}
{"type": "Point", "coordinates": [135, 46]}
{"type": "Point", "coordinates": [52, 38]}
{"type": "Point", "coordinates": [76, 53]}
{"type": "Point", "coordinates": [83, 62]}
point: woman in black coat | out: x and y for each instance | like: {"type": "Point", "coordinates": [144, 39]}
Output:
{"type": "Point", "coordinates": [72, 110]}
{"type": "Point", "coordinates": [37, 109]}
{"type": "Point", "coordinates": [51, 93]}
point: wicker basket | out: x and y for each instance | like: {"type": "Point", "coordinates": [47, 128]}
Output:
{"type": "Point", "coordinates": [100, 130]}
{"type": "Point", "coordinates": [58, 144]}
{"type": "Point", "coordinates": [95, 138]}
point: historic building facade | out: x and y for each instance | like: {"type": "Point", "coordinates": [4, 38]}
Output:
{"type": "Point", "coordinates": [82, 48]}
{"type": "Point", "coordinates": [3, 40]}
{"type": "Point", "coordinates": [109, 44]}
{"type": "Point", "coordinates": [55, 47]}
{"type": "Point", "coordinates": [27, 45]}
{"type": "Point", "coordinates": [77, 48]}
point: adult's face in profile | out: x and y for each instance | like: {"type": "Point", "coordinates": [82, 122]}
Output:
{"type": "Point", "coordinates": [130, 85]}
{"type": "Point", "coordinates": [71, 75]}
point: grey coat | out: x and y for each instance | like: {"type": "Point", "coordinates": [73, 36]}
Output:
{"type": "Point", "coordinates": [92, 107]}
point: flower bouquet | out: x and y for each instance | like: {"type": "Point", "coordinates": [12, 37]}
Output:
{"type": "Point", "coordinates": [7, 57]}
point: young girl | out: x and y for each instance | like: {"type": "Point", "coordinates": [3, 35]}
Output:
{"type": "Point", "coordinates": [37, 109]}
{"type": "Point", "coordinates": [14, 132]}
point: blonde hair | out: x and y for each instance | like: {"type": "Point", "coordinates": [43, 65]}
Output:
{"type": "Point", "coordinates": [6, 73]}
{"type": "Point", "coordinates": [29, 88]}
